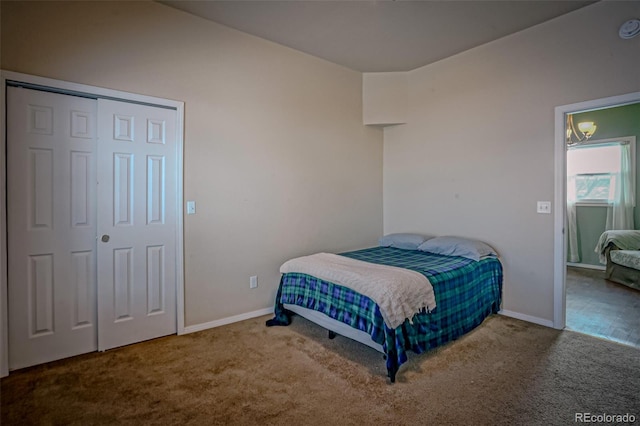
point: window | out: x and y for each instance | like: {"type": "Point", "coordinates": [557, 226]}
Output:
{"type": "Point", "coordinates": [596, 187]}
{"type": "Point", "coordinates": [594, 171]}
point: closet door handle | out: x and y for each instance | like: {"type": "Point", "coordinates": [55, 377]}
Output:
{"type": "Point", "coordinates": [105, 238]}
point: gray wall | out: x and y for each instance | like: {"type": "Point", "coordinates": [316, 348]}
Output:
{"type": "Point", "coordinates": [477, 151]}
{"type": "Point", "coordinates": [275, 152]}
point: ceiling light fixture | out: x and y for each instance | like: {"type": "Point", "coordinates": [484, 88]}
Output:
{"type": "Point", "coordinates": [586, 129]}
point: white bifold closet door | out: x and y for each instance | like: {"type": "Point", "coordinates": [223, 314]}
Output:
{"type": "Point", "coordinates": [91, 224]}
{"type": "Point", "coordinates": [51, 216]}
{"type": "Point", "coordinates": [136, 223]}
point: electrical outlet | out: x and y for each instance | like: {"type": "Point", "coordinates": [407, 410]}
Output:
{"type": "Point", "coordinates": [253, 281]}
{"type": "Point", "coordinates": [544, 207]}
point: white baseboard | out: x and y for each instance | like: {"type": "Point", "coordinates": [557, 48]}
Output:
{"type": "Point", "coordinates": [225, 321]}
{"type": "Point", "coordinates": [528, 318]}
{"type": "Point", "coordinates": [587, 266]}
{"type": "Point", "coordinates": [267, 311]}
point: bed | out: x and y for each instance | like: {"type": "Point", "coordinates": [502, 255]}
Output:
{"type": "Point", "coordinates": [467, 289]}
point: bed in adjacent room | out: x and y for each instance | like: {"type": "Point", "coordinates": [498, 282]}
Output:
{"type": "Point", "coordinates": [443, 288]}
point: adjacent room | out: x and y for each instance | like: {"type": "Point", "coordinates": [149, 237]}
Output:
{"type": "Point", "coordinates": [276, 130]}
{"type": "Point", "coordinates": [601, 206]}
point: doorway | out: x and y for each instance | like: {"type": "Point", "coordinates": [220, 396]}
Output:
{"type": "Point", "coordinates": [601, 188]}
{"type": "Point", "coordinates": [560, 224]}
{"type": "Point", "coordinates": [94, 220]}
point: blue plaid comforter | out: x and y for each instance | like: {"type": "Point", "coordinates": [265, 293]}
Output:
{"type": "Point", "coordinates": [466, 293]}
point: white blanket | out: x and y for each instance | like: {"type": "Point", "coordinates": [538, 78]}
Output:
{"type": "Point", "coordinates": [399, 293]}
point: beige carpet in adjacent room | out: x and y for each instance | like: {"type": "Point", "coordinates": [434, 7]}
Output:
{"type": "Point", "coordinates": [505, 372]}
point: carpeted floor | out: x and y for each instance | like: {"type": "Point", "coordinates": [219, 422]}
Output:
{"type": "Point", "coordinates": [505, 372]}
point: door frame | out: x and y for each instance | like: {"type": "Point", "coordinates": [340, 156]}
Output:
{"type": "Point", "coordinates": [560, 196]}
{"type": "Point", "coordinates": [97, 92]}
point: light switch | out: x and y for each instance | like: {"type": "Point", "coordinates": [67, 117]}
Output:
{"type": "Point", "coordinates": [544, 207]}
{"type": "Point", "coordinates": [191, 207]}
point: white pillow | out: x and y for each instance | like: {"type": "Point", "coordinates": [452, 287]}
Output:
{"type": "Point", "coordinates": [458, 246]}
{"type": "Point", "coordinates": [404, 241]}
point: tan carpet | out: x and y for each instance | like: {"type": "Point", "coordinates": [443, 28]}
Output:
{"type": "Point", "coordinates": [505, 372]}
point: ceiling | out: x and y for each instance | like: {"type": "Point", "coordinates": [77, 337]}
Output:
{"type": "Point", "coordinates": [378, 36]}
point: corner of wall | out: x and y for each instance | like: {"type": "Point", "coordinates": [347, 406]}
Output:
{"type": "Point", "coordinates": [384, 98]}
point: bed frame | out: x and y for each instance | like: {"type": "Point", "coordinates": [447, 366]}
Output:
{"type": "Point", "coordinates": [334, 327]}
{"type": "Point", "coordinates": [624, 275]}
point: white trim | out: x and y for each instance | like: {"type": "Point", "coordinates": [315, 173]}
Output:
{"type": "Point", "coordinates": [593, 204]}
{"type": "Point", "coordinates": [226, 321]}
{"type": "Point", "coordinates": [560, 197]}
{"type": "Point", "coordinates": [527, 318]}
{"type": "Point", "coordinates": [104, 92]}
{"type": "Point", "coordinates": [83, 88]}
{"type": "Point", "coordinates": [587, 266]}
{"type": "Point", "coordinates": [180, 314]}
{"type": "Point", "coordinates": [4, 311]}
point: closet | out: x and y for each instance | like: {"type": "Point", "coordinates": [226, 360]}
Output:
{"type": "Point", "coordinates": [92, 216]}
